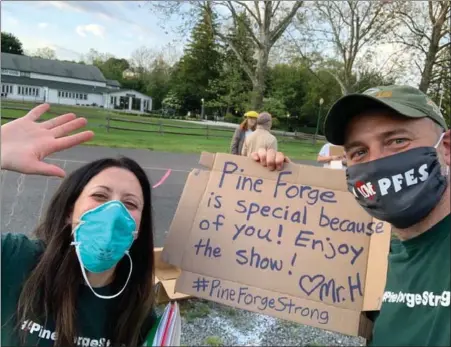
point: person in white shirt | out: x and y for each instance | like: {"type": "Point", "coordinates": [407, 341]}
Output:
{"type": "Point", "coordinates": [325, 158]}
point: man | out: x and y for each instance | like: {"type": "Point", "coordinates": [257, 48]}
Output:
{"type": "Point", "coordinates": [261, 137]}
{"type": "Point", "coordinates": [396, 138]}
{"type": "Point", "coordinates": [325, 158]}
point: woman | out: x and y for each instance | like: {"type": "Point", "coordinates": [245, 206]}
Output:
{"type": "Point", "coordinates": [87, 279]}
{"type": "Point", "coordinates": [246, 127]}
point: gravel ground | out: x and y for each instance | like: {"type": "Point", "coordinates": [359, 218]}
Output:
{"type": "Point", "coordinates": [207, 323]}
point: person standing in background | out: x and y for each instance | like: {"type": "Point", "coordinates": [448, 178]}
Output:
{"type": "Point", "coordinates": [261, 137]}
{"type": "Point", "coordinates": [246, 128]}
{"type": "Point", "coordinates": [325, 158]}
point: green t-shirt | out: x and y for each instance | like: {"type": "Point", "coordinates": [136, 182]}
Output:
{"type": "Point", "coordinates": [416, 303]}
{"type": "Point", "coordinates": [19, 256]}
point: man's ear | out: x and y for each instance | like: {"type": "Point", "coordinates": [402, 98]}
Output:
{"type": "Point", "coordinates": [447, 147]}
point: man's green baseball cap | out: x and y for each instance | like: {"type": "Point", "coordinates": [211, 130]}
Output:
{"type": "Point", "coordinates": [404, 100]}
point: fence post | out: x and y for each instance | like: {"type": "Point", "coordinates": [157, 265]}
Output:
{"type": "Point", "coordinates": [207, 131]}
{"type": "Point", "coordinates": [107, 123]}
{"type": "Point", "coordinates": [160, 127]}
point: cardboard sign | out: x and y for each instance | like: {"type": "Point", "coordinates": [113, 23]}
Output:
{"type": "Point", "coordinates": [292, 244]}
{"type": "Point", "coordinates": [165, 277]}
{"type": "Point", "coordinates": [336, 150]}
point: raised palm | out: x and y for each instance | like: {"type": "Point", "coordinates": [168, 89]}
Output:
{"type": "Point", "coordinates": [25, 142]}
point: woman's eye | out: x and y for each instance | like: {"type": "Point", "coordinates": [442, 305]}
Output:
{"type": "Point", "coordinates": [99, 196]}
{"type": "Point", "coordinates": [131, 205]}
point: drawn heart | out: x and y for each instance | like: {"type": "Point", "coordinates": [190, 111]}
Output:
{"type": "Point", "coordinates": [312, 282]}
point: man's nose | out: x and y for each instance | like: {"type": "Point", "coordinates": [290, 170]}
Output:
{"type": "Point", "coordinates": [376, 152]}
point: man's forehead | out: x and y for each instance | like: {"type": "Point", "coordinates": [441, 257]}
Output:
{"type": "Point", "coordinates": [374, 123]}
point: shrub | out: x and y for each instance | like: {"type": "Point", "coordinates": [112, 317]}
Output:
{"type": "Point", "coordinates": [275, 123]}
{"type": "Point", "coordinates": [215, 341]}
{"type": "Point", "coordinates": [229, 118]}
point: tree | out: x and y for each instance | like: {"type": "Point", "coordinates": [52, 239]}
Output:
{"type": "Point", "coordinates": [113, 68]}
{"type": "Point", "coordinates": [426, 33]}
{"type": "Point", "coordinates": [440, 87]}
{"type": "Point", "coordinates": [351, 29]}
{"type": "Point", "coordinates": [11, 44]}
{"type": "Point", "coordinates": [142, 59]}
{"type": "Point", "coordinates": [233, 86]}
{"type": "Point", "coordinates": [45, 53]}
{"type": "Point", "coordinates": [158, 82]}
{"type": "Point", "coordinates": [94, 57]}
{"type": "Point", "coordinates": [287, 84]}
{"type": "Point", "coordinates": [269, 20]}
{"type": "Point", "coordinates": [200, 64]}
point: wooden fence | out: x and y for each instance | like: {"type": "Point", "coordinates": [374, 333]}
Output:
{"type": "Point", "coordinates": [208, 131]}
{"type": "Point", "coordinates": [162, 126]}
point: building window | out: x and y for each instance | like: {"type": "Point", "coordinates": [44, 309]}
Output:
{"type": "Point", "coordinates": [7, 89]}
{"type": "Point", "coordinates": [28, 91]}
{"type": "Point", "coordinates": [72, 95]}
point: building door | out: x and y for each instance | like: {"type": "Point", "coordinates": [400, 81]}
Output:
{"type": "Point", "coordinates": [123, 102]}
{"type": "Point", "coordinates": [136, 104]}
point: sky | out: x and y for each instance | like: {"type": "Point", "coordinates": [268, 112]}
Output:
{"type": "Point", "coordinates": [71, 28]}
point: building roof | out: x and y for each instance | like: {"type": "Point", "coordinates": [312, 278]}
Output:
{"type": "Point", "coordinates": [70, 87]}
{"type": "Point", "coordinates": [113, 83]}
{"type": "Point", "coordinates": [51, 67]}
{"type": "Point", "coordinates": [130, 91]}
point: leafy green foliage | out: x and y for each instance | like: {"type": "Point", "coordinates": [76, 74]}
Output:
{"type": "Point", "coordinates": [11, 44]}
{"type": "Point", "coordinates": [193, 74]}
{"type": "Point", "coordinates": [213, 341]}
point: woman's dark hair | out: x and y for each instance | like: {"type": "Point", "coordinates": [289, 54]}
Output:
{"type": "Point", "coordinates": [51, 290]}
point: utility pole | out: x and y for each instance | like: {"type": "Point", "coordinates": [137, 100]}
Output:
{"type": "Point", "coordinates": [321, 101]}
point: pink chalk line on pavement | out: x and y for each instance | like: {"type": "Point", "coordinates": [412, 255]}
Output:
{"type": "Point", "coordinates": [161, 181]}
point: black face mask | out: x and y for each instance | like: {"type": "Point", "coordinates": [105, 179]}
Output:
{"type": "Point", "coordinates": [401, 189]}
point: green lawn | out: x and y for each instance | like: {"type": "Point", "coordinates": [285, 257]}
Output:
{"type": "Point", "coordinates": [161, 139]}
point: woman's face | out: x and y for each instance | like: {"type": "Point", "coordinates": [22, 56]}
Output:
{"type": "Point", "coordinates": [111, 184]}
{"type": "Point", "coordinates": [251, 122]}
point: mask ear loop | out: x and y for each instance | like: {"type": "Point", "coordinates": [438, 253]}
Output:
{"type": "Point", "coordinates": [436, 146]}
{"type": "Point", "coordinates": [83, 271]}
{"type": "Point", "coordinates": [439, 140]}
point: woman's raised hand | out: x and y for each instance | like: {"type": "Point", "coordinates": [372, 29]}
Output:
{"type": "Point", "coordinates": [25, 142]}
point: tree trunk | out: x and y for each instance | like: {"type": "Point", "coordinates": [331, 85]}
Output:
{"type": "Point", "coordinates": [259, 82]}
{"type": "Point", "coordinates": [431, 57]}
{"type": "Point", "coordinates": [429, 63]}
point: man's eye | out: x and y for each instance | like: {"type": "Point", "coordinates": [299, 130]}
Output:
{"type": "Point", "coordinates": [357, 153]}
{"type": "Point", "coordinates": [399, 141]}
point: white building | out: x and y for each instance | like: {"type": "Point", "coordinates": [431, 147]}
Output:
{"type": "Point", "coordinates": [58, 82]}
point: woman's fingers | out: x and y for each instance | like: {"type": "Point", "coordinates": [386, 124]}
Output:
{"type": "Point", "coordinates": [68, 126]}
{"type": "Point", "coordinates": [70, 141]}
{"type": "Point", "coordinates": [57, 121]}
{"type": "Point", "coordinates": [37, 112]}
{"type": "Point", "coordinates": [46, 169]}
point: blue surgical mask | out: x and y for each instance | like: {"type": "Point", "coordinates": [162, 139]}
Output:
{"type": "Point", "coordinates": [102, 238]}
